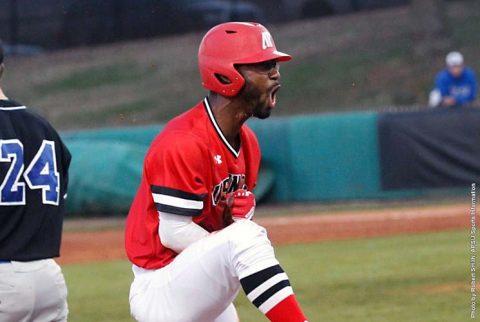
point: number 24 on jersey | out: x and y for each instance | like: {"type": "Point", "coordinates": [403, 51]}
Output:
{"type": "Point", "coordinates": [41, 173]}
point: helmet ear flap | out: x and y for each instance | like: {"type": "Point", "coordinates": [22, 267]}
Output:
{"type": "Point", "coordinates": [223, 79]}
{"type": "Point", "coordinates": [227, 81]}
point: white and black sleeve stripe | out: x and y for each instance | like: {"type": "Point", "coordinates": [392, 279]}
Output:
{"type": "Point", "coordinates": [266, 288]}
{"type": "Point", "coordinates": [177, 202]}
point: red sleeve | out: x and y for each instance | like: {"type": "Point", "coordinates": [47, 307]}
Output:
{"type": "Point", "coordinates": [175, 169]}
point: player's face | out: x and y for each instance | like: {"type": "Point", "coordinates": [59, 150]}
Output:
{"type": "Point", "coordinates": [262, 82]}
{"type": "Point", "coordinates": [456, 71]}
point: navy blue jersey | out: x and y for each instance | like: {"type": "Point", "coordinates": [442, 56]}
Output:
{"type": "Point", "coordinates": [33, 185]}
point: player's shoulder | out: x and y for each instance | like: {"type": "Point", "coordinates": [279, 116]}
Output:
{"type": "Point", "coordinates": [469, 72]}
{"type": "Point", "coordinates": [24, 117]}
{"type": "Point", "coordinates": [183, 135]}
{"type": "Point", "coordinates": [250, 141]}
{"type": "Point", "coordinates": [443, 75]}
{"type": "Point", "coordinates": [248, 131]}
{"type": "Point", "coordinates": [191, 122]}
{"type": "Point", "coordinates": [179, 140]}
{"type": "Point", "coordinates": [249, 134]}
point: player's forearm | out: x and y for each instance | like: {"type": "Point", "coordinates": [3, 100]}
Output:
{"type": "Point", "coordinates": [178, 232]}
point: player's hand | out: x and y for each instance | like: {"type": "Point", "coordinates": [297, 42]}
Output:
{"type": "Point", "coordinates": [449, 101]}
{"type": "Point", "coordinates": [241, 204]}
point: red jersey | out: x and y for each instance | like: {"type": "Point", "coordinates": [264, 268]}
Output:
{"type": "Point", "coordinates": [186, 169]}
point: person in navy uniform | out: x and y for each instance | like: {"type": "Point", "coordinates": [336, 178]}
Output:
{"type": "Point", "coordinates": [34, 166]}
{"type": "Point", "coordinates": [455, 85]}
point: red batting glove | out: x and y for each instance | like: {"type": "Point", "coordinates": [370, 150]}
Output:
{"type": "Point", "coordinates": [241, 204]}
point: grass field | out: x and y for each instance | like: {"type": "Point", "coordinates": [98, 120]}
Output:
{"type": "Point", "coordinates": [422, 278]}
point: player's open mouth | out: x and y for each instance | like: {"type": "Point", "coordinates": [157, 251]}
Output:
{"type": "Point", "coordinates": [273, 95]}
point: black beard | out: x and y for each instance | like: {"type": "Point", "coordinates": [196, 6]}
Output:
{"type": "Point", "coordinates": [252, 97]}
{"type": "Point", "coordinates": [261, 112]}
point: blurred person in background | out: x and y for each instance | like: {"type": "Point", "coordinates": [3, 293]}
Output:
{"type": "Point", "coordinates": [34, 166]}
{"type": "Point", "coordinates": [455, 85]}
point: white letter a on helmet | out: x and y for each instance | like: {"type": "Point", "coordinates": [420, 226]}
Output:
{"type": "Point", "coordinates": [267, 41]}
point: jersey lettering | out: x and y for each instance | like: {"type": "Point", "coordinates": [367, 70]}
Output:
{"type": "Point", "coordinates": [227, 185]}
{"type": "Point", "coordinates": [12, 191]}
{"type": "Point", "coordinates": [42, 173]}
{"type": "Point", "coordinates": [460, 91]}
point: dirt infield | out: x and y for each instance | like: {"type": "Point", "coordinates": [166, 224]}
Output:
{"type": "Point", "coordinates": [107, 244]}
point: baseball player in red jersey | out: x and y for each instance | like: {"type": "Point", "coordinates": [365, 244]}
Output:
{"type": "Point", "coordinates": [189, 232]}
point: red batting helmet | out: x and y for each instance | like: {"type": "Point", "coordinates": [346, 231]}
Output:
{"type": "Point", "coordinates": [233, 43]}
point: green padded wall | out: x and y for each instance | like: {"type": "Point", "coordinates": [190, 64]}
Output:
{"type": "Point", "coordinates": [304, 158]}
{"type": "Point", "coordinates": [104, 176]}
{"type": "Point", "coordinates": [322, 157]}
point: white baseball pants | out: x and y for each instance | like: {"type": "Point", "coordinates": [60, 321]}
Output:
{"type": "Point", "coordinates": [32, 291]}
{"type": "Point", "coordinates": [203, 280]}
